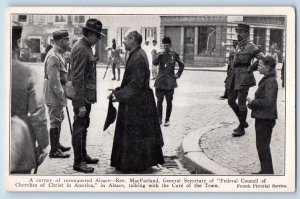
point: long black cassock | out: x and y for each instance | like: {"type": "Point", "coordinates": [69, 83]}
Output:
{"type": "Point", "coordinates": [138, 139]}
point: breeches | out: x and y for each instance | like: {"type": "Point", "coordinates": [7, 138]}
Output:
{"type": "Point", "coordinates": [56, 115]}
{"type": "Point", "coordinates": [240, 95]}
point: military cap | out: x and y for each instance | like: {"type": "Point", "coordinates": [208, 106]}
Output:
{"type": "Point", "coordinates": [166, 40]}
{"type": "Point", "coordinates": [61, 34]}
{"type": "Point", "coordinates": [242, 26]}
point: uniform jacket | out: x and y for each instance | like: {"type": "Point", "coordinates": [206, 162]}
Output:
{"type": "Point", "coordinates": [242, 74]}
{"type": "Point", "coordinates": [55, 78]}
{"type": "Point", "coordinates": [165, 77]}
{"type": "Point", "coordinates": [264, 106]}
{"type": "Point", "coordinates": [138, 138]}
{"type": "Point", "coordinates": [83, 73]}
{"type": "Point", "coordinates": [27, 104]}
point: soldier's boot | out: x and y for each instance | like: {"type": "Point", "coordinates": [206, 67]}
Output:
{"type": "Point", "coordinates": [86, 158]}
{"type": "Point", "coordinates": [119, 72]}
{"type": "Point", "coordinates": [240, 131]}
{"type": "Point", "coordinates": [55, 152]}
{"type": "Point", "coordinates": [60, 146]}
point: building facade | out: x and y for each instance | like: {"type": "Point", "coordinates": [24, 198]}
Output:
{"type": "Point", "coordinates": [201, 41]}
{"type": "Point", "coordinates": [38, 31]}
{"type": "Point", "coordinates": [205, 41]}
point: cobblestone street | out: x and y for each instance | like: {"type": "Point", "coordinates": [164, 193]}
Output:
{"type": "Point", "coordinates": [196, 105]}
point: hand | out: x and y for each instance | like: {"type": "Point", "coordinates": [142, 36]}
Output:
{"type": "Point", "coordinates": [82, 111]}
{"type": "Point", "coordinates": [41, 155]}
{"type": "Point", "coordinates": [249, 100]}
{"type": "Point", "coordinates": [176, 76]}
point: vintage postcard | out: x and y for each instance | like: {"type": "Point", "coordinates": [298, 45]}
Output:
{"type": "Point", "coordinates": [150, 99]}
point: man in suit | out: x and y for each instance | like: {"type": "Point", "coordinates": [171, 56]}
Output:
{"type": "Point", "coordinates": [241, 77]}
{"type": "Point", "coordinates": [165, 82]}
{"type": "Point", "coordinates": [83, 75]}
{"type": "Point", "coordinates": [54, 97]}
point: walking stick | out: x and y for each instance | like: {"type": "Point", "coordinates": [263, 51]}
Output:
{"type": "Point", "coordinates": [69, 120]}
{"type": "Point", "coordinates": [107, 68]}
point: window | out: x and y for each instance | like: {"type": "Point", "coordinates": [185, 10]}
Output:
{"type": "Point", "coordinates": [22, 18]}
{"type": "Point", "coordinates": [207, 40]}
{"type": "Point", "coordinates": [259, 38]}
{"type": "Point", "coordinates": [60, 19]}
{"type": "Point", "coordinates": [79, 19]}
{"type": "Point", "coordinates": [148, 33]}
{"type": "Point", "coordinates": [120, 35]}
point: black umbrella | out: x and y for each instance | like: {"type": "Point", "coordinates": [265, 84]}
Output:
{"type": "Point", "coordinates": [111, 115]}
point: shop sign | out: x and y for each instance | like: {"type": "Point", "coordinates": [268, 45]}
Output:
{"type": "Point", "coordinates": [191, 19]}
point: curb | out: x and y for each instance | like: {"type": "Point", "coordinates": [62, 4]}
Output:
{"type": "Point", "coordinates": [194, 158]}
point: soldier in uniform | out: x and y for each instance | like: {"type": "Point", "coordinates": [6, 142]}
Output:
{"type": "Point", "coordinates": [83, 76]}
{"type": "Point", "coordinates": [165, 82]}
{"type": "Point", "coordinates": [55, 79]}
{"type": "Point", "coordinates": [229, 66]}
{"type": "Point", "coordinates": [241, 77]}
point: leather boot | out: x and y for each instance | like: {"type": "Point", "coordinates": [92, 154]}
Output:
{"type": "Point", "coordinates": [82, 167]}
{"type": "Point", "coordinates": [240, 131]}
{"type": "Point", "coordinates": [60, 146]}
{"type": "Point", "coordinates": [55, 152]}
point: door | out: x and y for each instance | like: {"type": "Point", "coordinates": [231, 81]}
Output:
{"type": "Point", "coordinates": [189, 44]}
{"type": "Point", "coordinates": [101, 53]}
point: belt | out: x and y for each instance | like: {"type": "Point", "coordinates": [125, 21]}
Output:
{"type": "Point", "coordinates": [239, 65]}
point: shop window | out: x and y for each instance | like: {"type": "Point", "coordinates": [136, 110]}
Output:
{"type": "Point", "coordinates": [207, 40]}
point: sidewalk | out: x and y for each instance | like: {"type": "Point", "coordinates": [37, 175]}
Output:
{"type": "Point", "coordinates": [213, 150]}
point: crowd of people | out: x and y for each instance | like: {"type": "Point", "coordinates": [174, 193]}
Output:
{"type": "Point", "coordinates": [138, 139]}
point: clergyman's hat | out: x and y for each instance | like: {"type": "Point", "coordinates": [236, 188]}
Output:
{"type": "Point", "coordinates": [111, 115]}
{"type": "Point", "coordinates": [243, 26]}
{"type": "Point", "coordinates": [94, 25]}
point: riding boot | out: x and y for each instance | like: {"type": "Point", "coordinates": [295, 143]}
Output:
{"type": "Point", "coordinates": [240, 131]}
{"type": "Point", "coordinates": [55, 152]}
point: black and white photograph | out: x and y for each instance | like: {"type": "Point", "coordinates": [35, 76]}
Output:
{"type": "Point", "coordinates": [151, 99]}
